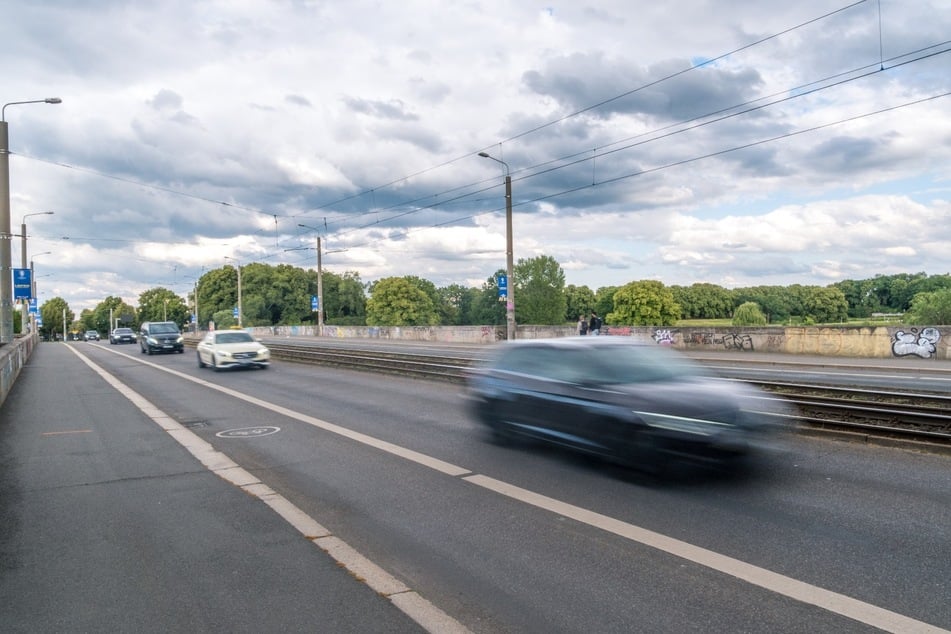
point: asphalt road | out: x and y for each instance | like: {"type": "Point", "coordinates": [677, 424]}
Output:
{"type": "Point", "coordinates": [109, 524]}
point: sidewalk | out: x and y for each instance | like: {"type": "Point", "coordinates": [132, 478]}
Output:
{"type": "Point", "coordinates": [108, 524]}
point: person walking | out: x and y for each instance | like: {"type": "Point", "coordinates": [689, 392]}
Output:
{"type": "Point", "coordinates": [582, 325]}
{"type": "Point", "coordinates": [594, 326]}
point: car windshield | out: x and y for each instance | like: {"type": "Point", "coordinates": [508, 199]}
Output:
{"type": "Point", "coordinates": [233, 337]}
{"type": "Point", "coordinates": [637, 364]}
{"type": "Point", "coordinates": [123, 331]}
{"type": "Point", "coordinates": [164, 329]}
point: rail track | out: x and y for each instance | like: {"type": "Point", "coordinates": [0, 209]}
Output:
{"type": "Point", "coordinates": [921, 417]}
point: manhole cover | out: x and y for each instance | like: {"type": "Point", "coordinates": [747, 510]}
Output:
{"type": "Point", "coordinates": [248, 432]}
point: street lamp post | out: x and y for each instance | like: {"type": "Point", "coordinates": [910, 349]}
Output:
{"type": "Point", "coordinates": [33, 281]}
{"type": "Point", "coordinates": [6, 265]}
{"type": "Point", "coordinates": [320, 286]}
{"type": "Point", "coordinates": [238, 269]}
{"type": "Point", "coordinates": [509, 255]}
{"type": "Point", "coordinates": [24, 313]}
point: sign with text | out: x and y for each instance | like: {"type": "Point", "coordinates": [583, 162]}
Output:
{"type": "Point", "coordinates": [22, 284]}
{"type": "Point", "coordinates": [503, 282]}
{"type": "Point", "coordinates": [314, 303]}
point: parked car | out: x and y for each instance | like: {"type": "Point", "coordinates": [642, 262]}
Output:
{"type": "Point", "coordinates": [232, 348]}
{"type": "Point", "coordinates": [160, 336]}
{"type": "Point", "coordinates": [122, 335]}
{"type": "Point", "coordinates": [638, 405]}
{"type": "Point", "coordinates": [91, 335]}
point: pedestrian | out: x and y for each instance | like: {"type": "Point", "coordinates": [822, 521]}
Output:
{"type": "Point", "coordinates": [594, 326]}
{"type": "Point", "coordinates": [582, 325]}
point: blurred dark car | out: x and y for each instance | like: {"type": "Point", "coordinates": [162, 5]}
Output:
{"type": "Point", "coordinates": [122, 335]}
{"type": "Point", "coordinates": [91, 335]}
{"type": "Point", "coordinates": [637, 405]}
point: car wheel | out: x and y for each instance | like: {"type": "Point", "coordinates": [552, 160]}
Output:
{"type": "Point", "coordinates": [201, 363]}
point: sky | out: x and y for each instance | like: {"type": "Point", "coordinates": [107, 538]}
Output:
{"type": "Point", "coordinates": [748, 143]}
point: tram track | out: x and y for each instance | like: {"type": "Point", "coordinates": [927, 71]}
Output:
{"type": "Point", "coordinates": [915, 416]}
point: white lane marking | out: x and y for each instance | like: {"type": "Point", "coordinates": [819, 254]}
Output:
{"type": "Point", "coordinates": [420, 610]}
{"type": "Point", "coordinates": [781, 584]}
{"type": "Point", "coordinates": [787, 586]}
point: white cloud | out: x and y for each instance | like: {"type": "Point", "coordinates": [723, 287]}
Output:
{"type": "Point", "coordinates": [191, 131]}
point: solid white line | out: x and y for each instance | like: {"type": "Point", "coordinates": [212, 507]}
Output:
{"type": "Point", "coordinates": [427, 615]}
{"type": "Point", "coordinates": [787, 586]}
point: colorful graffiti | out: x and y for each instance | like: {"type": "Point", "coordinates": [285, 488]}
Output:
{"type": "Point", "coordinates": [731, 341]}
{"type": "Point", "coordinates": [923, 343]}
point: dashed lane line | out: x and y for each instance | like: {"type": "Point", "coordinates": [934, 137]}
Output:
{"type": "Point", "coordinates": [834, 602]}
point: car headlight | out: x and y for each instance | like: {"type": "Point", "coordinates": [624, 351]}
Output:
{"type": "Point", "coordinates": [180, 339]}
{"type": "Point", "coordinates": [152, 340]}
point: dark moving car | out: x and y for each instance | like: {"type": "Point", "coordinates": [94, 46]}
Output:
{"type": "Point", "coordinates": [160, 336]}
{"type": "Point", "coordinates": [638, 405]}
{"type": "Point", "coordinates": [122, 335]}
{"type": "Point", "coordinates": [91, 335]}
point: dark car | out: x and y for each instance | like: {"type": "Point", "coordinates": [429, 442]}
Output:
{"type": "Point", "coordinates": [160, 336]}
{"type": "Point", "coordinates": [638, 405]}
{"type": "Point", "coordinates": [122, 335]}
{"type": "Point", "coordinates": [91, 335]}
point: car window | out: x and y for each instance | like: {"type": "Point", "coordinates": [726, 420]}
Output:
{"type": "Point", "coordinates": [233, 337]}
{"type": "Point", "coordinates": [637, 364]}
{"type": "Point", "coordinates": [163, 329]}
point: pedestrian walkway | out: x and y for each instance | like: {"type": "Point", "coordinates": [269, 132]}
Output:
{"type": "Point", "coordinates": [107, 524]}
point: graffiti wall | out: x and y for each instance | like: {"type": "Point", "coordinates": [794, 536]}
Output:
{"type": "Point", "coordinates": [926, 342]}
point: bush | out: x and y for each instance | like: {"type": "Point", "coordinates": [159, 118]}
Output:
{"type": "Point", "coordinates": [748, 314]}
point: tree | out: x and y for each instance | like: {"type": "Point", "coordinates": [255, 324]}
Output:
{"type": "Point", "coordinates": [539, 296]}
{"type": "Point", "coordinates": [825, 305]}
{"type": "Point", "coordinates": [604, 300]}
{"type": "Point", "coordinates": [486, 308]}
{"type": "Point", "coordinates": [52, 313]}
{"type": "Point", "coordinates": [452, 305]}
{"type": "Point", "coordinates": [398, 301]}
{"type": "Point", "coordinates": [703, 301]}
{"type": "Point", "coordinates": [930, 309]}
{"type": "Point", "coordinates": [161, 304]}
{"type": "Point", "coordinates": [580, 300]}
{"type": "Point", "coordinates": [748, 314]}
{"type": "Point", "coordinates": [644, 303]}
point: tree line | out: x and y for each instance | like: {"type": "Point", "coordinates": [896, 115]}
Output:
{"type": "Point", "coordinates": [281, 295]}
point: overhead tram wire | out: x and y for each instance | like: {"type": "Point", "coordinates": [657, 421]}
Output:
{"type": "Point", "coordinates": [443, 202]}
{"type": "Point", "coordinates": [467, 155]}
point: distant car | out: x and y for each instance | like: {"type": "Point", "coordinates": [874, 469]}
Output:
{"type": "Point", "coordinates": [122, 335]}
{"type": "Point", "coordinates": [230, 349]}
{"type": "Point", "coordinates": [637, 405]}
{"type": "Point", "coordinates": [91, 335]}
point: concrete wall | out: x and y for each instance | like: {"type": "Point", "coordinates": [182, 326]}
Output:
{"type": "Point", "coordinates": [13, 356]}
{"type": "Point", "coordinates": [931, 342]}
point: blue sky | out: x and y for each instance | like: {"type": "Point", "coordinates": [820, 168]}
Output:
{"type": "Point", "coordinates": [813, 147]}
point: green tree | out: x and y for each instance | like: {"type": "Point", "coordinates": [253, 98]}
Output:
{"type": "Point", "coordinates": [52, 312]}
{"type": "Point", "coordinates": [540, 291]}
{"type": "Point", "coordinates": [453, 304]}
{"type": "Point", "coordinates": [344, 299]}
{"type": "Point", "coordinates": [703, 301]}
{"type": "Point", "coordinates": [485, 308]}
{"type": "Point", "coordinates": [930, 309]}
{"type": "Point", "coordinates": [604, 300]}
{"type": "Point", "coordinates": [644, 303]}
{"type": "Point", "coordinates": [580, 300]}
{"type": "Point", "coordinates": [748, 314]}
{"type": "Point", "coordinates": [398, 301]}
{"type": "Point", "coordinates": [825, 305]}
{"type": "Point", "coordinates": [161, 304]}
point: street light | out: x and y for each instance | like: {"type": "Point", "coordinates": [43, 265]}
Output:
{"type": "Point", "coordinates": [320, 286]}
{"type": "Point", "coordinates": [33, 281]}
{"type": "Point", "coordinates": [509, 265]}
{"type": "Point", "coordinates": [238, 268]}
{"type": "Point", "coordinates": [24, 313]}
{"type": "Point", "coordinates": [6, 267]}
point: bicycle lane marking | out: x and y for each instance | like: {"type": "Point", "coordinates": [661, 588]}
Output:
{"type": "Point", "coordinates": [801, 591]}
{"type": "Point", "coordinates": [410, 602]}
